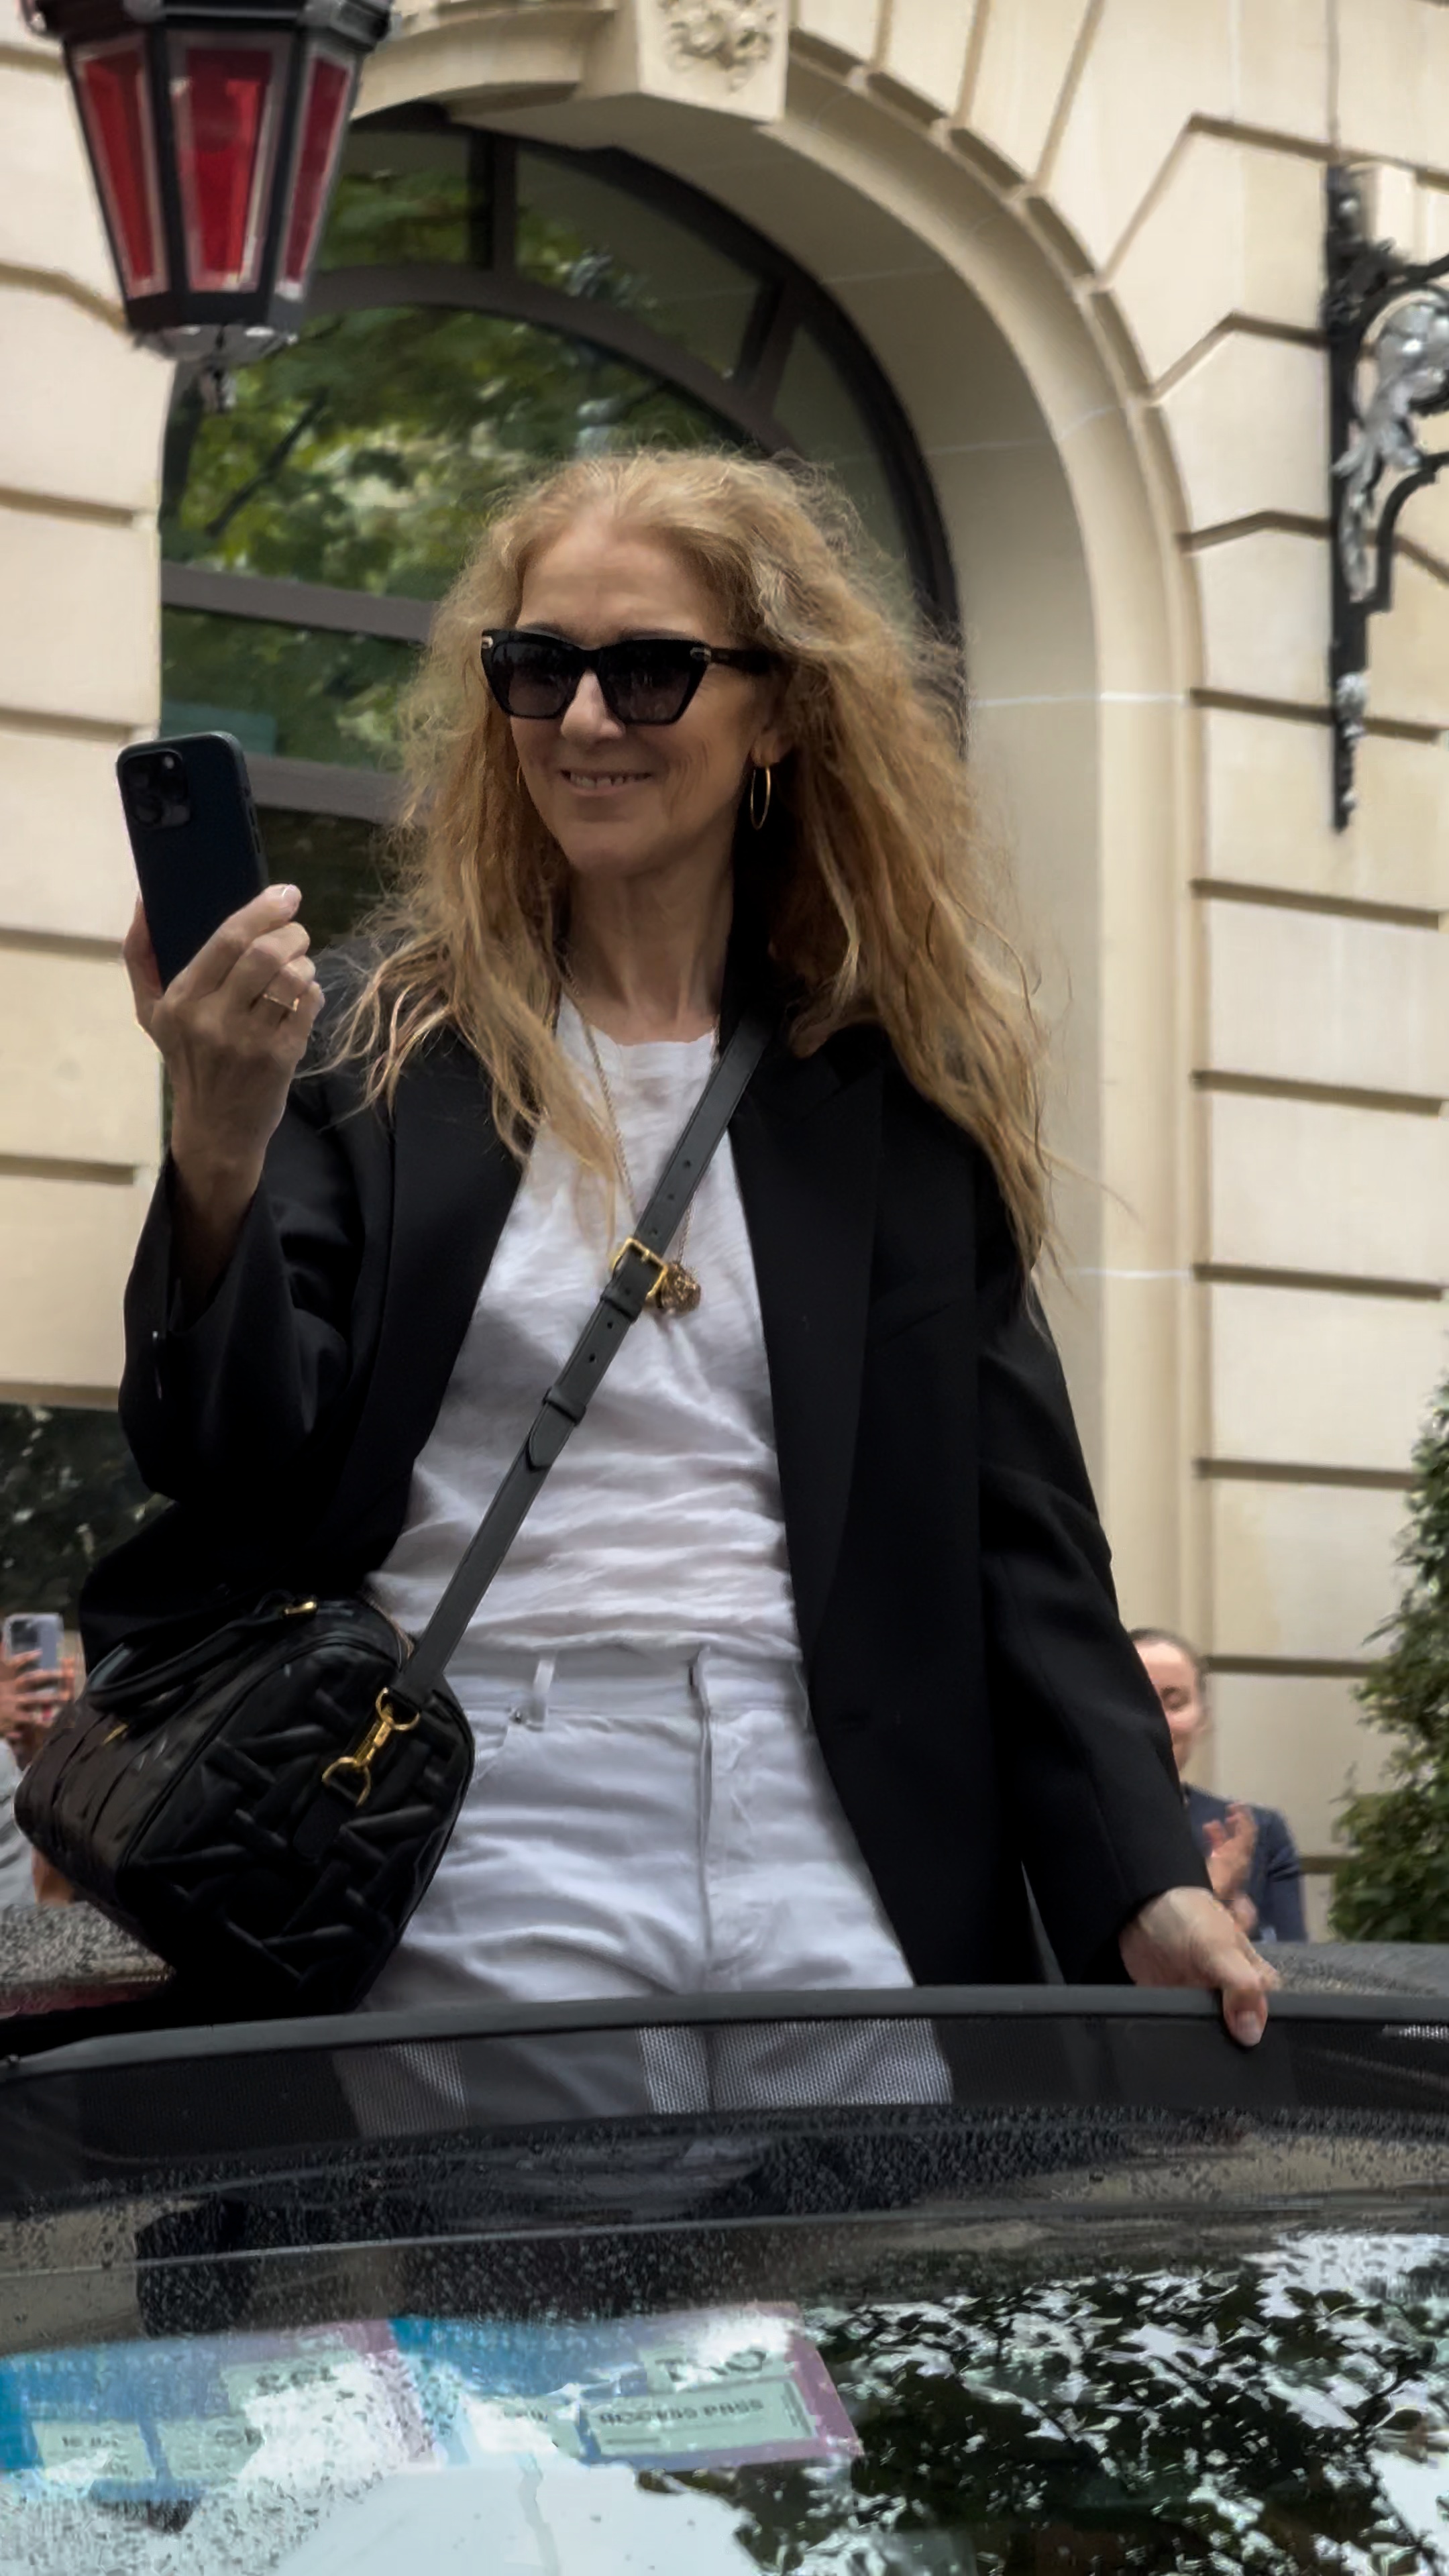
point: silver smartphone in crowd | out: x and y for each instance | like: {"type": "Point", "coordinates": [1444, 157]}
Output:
{"type": "Point", "coordinates": [35, 1632]}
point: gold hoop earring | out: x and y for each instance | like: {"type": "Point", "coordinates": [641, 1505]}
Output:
{"type": "Point", "coordinates": [757, 808]}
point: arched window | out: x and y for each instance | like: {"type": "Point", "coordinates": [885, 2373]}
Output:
{"type": "Point", "coordinates": [481, 305]}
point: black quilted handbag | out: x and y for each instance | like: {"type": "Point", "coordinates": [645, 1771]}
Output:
{"type": "Point", "coordinates": [265, 1808]}
{"type": "Point", "coordinates": [256, 1809]}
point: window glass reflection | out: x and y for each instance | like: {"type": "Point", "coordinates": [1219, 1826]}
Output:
{"type": "Point", "coordinates": [1237, 2392]}
{"type": "Point", "coordinates": [290, 691]}
{"type": "Point", "coordinates": [828, 425]}
{"type": "Point", "coordinates": [400, 198]}
{"type": "Point", "coordinates": [586, 238]}
{"type": "Point", "coordinates": [367, 455]}
{"type": "Point", "coordinates": [338, 863]}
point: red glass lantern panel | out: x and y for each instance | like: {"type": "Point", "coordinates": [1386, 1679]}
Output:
{"type": "Point", "coordinates": [226, 96]}
{"type": "Point", "coordinates": [320, 129]}
{"type": "Point", "coordinates": [115, 106]}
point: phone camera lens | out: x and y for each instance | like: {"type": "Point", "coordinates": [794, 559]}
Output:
{"type": "Point", "coordinates": [146, 807]}
{"type": "Point", "coordinates": [169, 764]}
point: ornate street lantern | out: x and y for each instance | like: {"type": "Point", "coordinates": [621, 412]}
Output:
{"type": "Point", "coordinates": [1386, 320]}
{"type": "Point", "coordinates": [214, 129]}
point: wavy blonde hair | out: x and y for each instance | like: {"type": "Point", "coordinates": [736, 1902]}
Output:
{"type": "Point", "coordinates": [871, 870]}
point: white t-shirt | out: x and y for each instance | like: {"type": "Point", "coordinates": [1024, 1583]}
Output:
{"type": "Point", "coordinates": [661, 1523]}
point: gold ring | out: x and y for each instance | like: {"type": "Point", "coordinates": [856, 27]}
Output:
{"type": "Point", "coordinates": [278, 1004]}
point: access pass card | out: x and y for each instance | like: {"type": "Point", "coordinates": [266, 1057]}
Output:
{"type": "Point", "coordinates": [711, 2388]}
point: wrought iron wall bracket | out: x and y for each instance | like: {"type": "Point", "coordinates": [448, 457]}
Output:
{"type": "Point", "coordinates": [1384, 317]}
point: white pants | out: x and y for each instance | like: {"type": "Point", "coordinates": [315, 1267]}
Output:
{"type": "Point", "coordinates": [640, 1825]}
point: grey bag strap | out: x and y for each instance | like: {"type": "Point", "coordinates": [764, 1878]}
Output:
{"type": "Point", "coordinates": [636, 1274]}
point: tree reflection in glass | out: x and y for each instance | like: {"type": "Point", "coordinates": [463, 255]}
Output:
{"type": "Point", "coordinates": [1282, 2412]}
{"type": "Point", "coordinates": [366, 455]}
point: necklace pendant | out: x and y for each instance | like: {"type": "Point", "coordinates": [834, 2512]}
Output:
{"type": "Point", "coordinates": [679, 1291]}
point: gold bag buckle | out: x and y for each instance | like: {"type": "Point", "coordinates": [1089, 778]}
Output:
{"type": "Point", "coordinates": [384, 1723]}
{"type": "Point", "coordinates": [662, 1266]}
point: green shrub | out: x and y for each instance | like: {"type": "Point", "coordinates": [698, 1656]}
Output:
{"type": "Point", "coordinates": [1394, 1883]}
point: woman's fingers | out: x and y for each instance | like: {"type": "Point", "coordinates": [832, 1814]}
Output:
{"type": "Point", "coordinates": [255, 964]}
{"type": "Point", "coordinates": [1242, 1978]}
{"type": "Point", "coordinates": [140, 957]}
{"type": "Point", "coordinates": [1186, 1938]}
{"type": "Point", "coordinates": [245, 1000]}
{"type": "Point", "coordinates": [227, 948]}
{"type": "Point", "coordinates": [271, 964]}
{"type": "Point", "coordinates": [288, 987]}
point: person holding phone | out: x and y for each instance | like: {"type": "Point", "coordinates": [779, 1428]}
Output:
{"type": "Point", "coordinates": [807, 1659]}
{"type": "Point", "coordinates": [32, 1696]}
{"type": "Point", "coordinates": [32, 1693]}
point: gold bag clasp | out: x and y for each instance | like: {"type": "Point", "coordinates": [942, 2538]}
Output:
{"type": "Point", "coordinates": [352, 1772]}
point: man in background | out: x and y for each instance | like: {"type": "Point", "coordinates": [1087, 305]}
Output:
{"type": "Point", "coordinates": [1251, 1855]}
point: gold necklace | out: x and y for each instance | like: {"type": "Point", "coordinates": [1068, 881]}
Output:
{"type": "Point", "coordinates": [678, 1291]}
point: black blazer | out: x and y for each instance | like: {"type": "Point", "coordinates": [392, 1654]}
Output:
{"type": "Point", "coordinates": [1275, 1874]}
{"type": "Point", "coordinates": [977, 1701]}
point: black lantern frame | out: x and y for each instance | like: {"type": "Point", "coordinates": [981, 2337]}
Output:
{"type": "Point", "coordinates": [1383, 311]}
{"type": "Point", "coordinates": [214, 131]}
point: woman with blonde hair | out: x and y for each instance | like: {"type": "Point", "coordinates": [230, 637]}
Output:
{"type": "Point", "coordinates": [807, 1661]}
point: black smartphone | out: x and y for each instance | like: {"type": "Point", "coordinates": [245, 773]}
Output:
{"type": "Point", "coordinates": [194, 837]}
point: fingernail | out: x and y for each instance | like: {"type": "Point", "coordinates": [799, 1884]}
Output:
{"type": "Point", "coordinates": [291, 895]}
{"type": "Point", "coordinates": [1246, 2028]}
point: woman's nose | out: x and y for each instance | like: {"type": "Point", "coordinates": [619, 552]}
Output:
{"type": "Point", "coordinates": [586, 718]}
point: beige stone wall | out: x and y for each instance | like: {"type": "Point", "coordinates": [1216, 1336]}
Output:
{"type": "Point", "coordinates": [80, 427]}
{"type": "Point", "coordinates": [1084, 237]}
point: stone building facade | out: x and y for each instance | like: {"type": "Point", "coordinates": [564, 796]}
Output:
{"type": "Point", "coordinates": [1081, 241]}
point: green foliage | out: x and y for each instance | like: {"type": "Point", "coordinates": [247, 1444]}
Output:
{"type": "Point", "coordinates": [68, 1493]}
{"type": "Point", "coordinates": [418, 209]}
{"type": "Point", "coordinates": [368, 453]}
{"type": "Point", "coordinates": [1394, 1884]}
{"type": "Point", "coordinates": [305, 694]}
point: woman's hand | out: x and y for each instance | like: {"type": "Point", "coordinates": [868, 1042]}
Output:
{"type": "Point", "coordinates": [1186, 1938]}
{"type": "Point", "coordinates": [232, 1029]}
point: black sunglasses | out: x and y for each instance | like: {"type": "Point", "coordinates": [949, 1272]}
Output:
{"type": "Point", "coordinates": [648, 679]}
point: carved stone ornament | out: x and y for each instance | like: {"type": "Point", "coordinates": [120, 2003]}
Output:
{"type": "Point", "coordinates": [738, 35]}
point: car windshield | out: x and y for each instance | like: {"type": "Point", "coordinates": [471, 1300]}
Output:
{"type": "Point", "coordinates": [311, 2302]}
